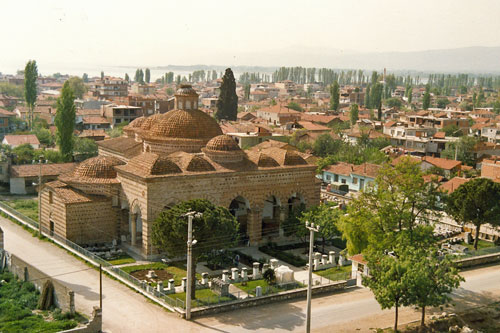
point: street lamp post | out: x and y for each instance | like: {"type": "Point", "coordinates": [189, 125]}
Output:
{"type": "Point", "coordinates": [40, 195]}
{"type": "Point", "coordinates": [190, 242]}
{"type": "Point", "coordinates": [312, 229]}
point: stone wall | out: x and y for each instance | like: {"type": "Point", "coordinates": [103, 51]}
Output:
{"type": "Point", "coordinates": [55, 212]}
{"type": "Point", "coordinates": [255, 301]}
{"type": "Point", "coordinates": [64, 297]}
{"type": "Point", "coordinates": [479, 260]}
{"type": "Point", "coordinates": [93, 326]}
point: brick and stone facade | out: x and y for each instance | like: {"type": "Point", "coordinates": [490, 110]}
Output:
{"type": "Point", "coordinates": [118, 196]}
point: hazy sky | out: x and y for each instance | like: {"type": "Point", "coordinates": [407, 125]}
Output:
{"type": "Point", "coordinates": [220, 32]}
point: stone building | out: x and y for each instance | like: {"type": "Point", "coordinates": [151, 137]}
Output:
{"type": "Point", "coordinates": [168, 158]}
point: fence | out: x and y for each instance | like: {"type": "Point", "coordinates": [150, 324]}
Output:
{"type": "Point", "coordinates": [135, 283]}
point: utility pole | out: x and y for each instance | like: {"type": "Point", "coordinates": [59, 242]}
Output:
{"type": "Point", "coordinates": [190, 243]}
{"type": "Point", "coordinates": [100, 287]}
{"type": "Point", "coordinates": [312, 229]}
{"type": "Point", "coordinates": [40, 195]}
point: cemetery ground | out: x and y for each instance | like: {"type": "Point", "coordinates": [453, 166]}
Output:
{"type": "Point", "coordinates": [124, 310]}
{"type": "Point", "coordinates": [18, 309]}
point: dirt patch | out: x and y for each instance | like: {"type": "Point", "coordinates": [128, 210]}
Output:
{"type": "Point", "coordinates": [161, 274]}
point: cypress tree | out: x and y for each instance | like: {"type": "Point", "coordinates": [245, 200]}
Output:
{"type": "Point", "coordinates": [127, 78]}
{"type": "Point", "coordinates": [30, 93]}
{"type": "Point", "coordinates": [334, 96]}
{"type": "Point", "coordinates": [65, 121]}
{"type": "Point", "coordinates": [354, 114]}
{"type": "Point", "coordinates": [367, 97]}
{"type": "Point", "coordinates": [148, 75]}
{"type": "Point", "coordinates": [102, 75]}
{"type": "Point", "coordinates": [227, 104]}
{"type": "Point", "coordinates": [426, 100]}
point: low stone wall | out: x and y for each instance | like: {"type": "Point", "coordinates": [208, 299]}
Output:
{"type": "Point", "coordinates": [93, 326]}
{"type": "Point", "coordinates": [479, 260]}
{"type": "Point", "coordinates": [255, 301]}
{"type": "Point", "coordinates": [64, 297]}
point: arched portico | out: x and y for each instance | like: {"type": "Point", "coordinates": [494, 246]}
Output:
{"type": "Point", "coordinates": [240, 208]}
{"type": "Point", "coordinates": [271, 216]}
{"type": "Point", "coordinates": [135, 225]}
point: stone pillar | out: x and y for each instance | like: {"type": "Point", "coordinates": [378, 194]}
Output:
{"type": "Point", "coordinates": [225, 275]}
{"type": "Point", "coordinates": [265, 267]}
{"type": "Point", "coordinates": [256, 272]}
{"type": "Point", "coordinates": [71, 294]}
{"type": "Point", "coordinates": [254, 225]}
{"type": "Point", "coordinates": [316, 258]}
{"type": "Point", "coordinates": [234, 273]}
{"type": "Point", "coordinates": [331, 258]}
{"type": "Point", "coordinates": [184, 283]}
{"type": "Point", "coordinates": [324, 259]}
{"type": "Point", "coordinates": [133, 229]}
{"type": "Point", "coordinates": [341, 260]}
{"type": "Point", "coordinates": [159, 286]}
{"type": "Point", "coordinates": [1, 239]}
{"type": "Point", "coordinates": [204, 279]}
{"type": "Point", "coordinates": [274, 263]}
{"type": "Point", "coordinates": [258, 291]}
{"type": "Point", "coordinates": [171, 285]}
{"type": "Point", "coordinates": [244, 274]}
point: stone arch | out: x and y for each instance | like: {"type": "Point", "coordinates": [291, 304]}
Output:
{"type": "Point", "coordinates": [240, 208]}
{"type": "Point", "coordinates": [271, 215]}
{"type": "Point", "coordinates": [295, 199]}
{"type": "Point", "coordinates": [135, 223]}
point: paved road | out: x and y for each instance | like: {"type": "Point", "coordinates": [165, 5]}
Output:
{"type": "Point", "coordinates": [127, 311]}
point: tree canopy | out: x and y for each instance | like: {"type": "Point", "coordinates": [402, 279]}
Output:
{"type": "Point", "coordinates": [215, 229]}
{"type": "Point", "coordinates": [476, 202]}
{"type": "Point", "coordinates": [77, 86]}
{"type": "Point", "coordinates": [65, 121]}
{"type": "Point", "coordinates": [227, 104]}
{"type": "Point", "coordinates": [334, 96]}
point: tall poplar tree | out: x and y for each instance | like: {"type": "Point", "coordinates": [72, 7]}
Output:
{"type": "Point", "coordinates": [367, 97]}
{"type": "Point", "coordinates": [148, 75]}
{"type": "Point", "coordinates": [354, 114]}
{"type": "Point", "coordinates": [65, 121]}
{"type": "Point", "coordinates": [334, 96]}
{"type": "Point", "coordinates": [227, 104]}
{"type": "Point", "coordinates": [30, 93]}
{"type": "Point", "coordinates": [426, 100]}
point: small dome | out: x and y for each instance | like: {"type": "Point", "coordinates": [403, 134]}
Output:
{"type": "Point", "coordinates": [163, 166]}
{"type": "Point", "coordinates": [99, 167]}
{"type": "Point", "coordinates": [186, 90]}
{"type": "Point", "coordinates": [222, 143]}
{"type": "Point", "coordinates": [136, 123]}
{"type": "Point", "coordinates": [185, 124]}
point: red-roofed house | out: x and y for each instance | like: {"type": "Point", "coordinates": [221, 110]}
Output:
{"type": "Point", "coordinates": [452, 184]}
{"type": "Point", "coordinates": [448, 166]}
{"type": "Point", "coordinates": [356, 177]}
{"type": "Point", "coordinates": [16, 140]}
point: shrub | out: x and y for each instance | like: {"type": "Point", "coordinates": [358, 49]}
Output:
{"type": "Point", "coordinates": [270, 276]}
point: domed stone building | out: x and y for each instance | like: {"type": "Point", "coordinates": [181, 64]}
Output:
{"type": "Point", "coordinates": [168, 158]}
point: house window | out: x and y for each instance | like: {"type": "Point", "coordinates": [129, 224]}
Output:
{"type": "Point", "coordinates": [354, 180]}
{"type": "Point", "coordinates": [336, 178]}
{"type": "Point", "coordinates": [328, 177]}
{"type": "Point", "coordinates": [343, 181]}
{"type": "Point", "coordinates": [50, 197]}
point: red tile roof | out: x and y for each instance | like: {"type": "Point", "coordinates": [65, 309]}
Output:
{"type": "Point", "coordinates": [33, 170]}
{"type": "Point", "coordinates": [21, 139]}
{"type": "Point", "coordinates": [442, 163]}
{"type": "Point", "coordinates": [453, 184]}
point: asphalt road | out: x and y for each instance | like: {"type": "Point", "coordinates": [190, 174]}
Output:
{"type": "Point", "coordinates": [127, 311]}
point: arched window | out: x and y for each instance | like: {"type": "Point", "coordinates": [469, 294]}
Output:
{"type": "Point", "coordinates": [188, 105]}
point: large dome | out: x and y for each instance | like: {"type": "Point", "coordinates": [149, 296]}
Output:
{"type": "Point", "coordinates": [223, 149]}
{"type": "Point", "coordinates": [185, 124]}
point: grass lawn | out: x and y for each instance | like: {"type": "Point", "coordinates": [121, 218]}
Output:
{"type": "Point", "coordinates": [203, 297]}
{"type": "Point", "coordinates": [250, 286]}
{"type": "Point", "coordinates": [177, 269]}
{"type": "Point", "coordinates": [481, 244]}
{"type": "Point", "coordinates": [18, 300]}
{"type": "Point", "coordinates": [335, 273]}
{"type": "Point", "coordinates": [27, 207]}
{"type": "Point", "coordinates": [124, 258]}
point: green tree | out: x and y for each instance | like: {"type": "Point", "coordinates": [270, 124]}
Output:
{"type": "Point", "coordinates": [431, 279]}
{"type": "Point", "coordinates": [148, 75]}
{"type": "Point", "coordinates": [325, 145]}
{"type": "Point", "coordinates": [65, 121]}
{"type": "Point", "coordinates": [102, 75]}
{"type": "Point", "coordinates": [295, 106]}
{"type": "Point", "coordinates": [410, 95]}
{"type": "Point", "coordinates": [30, 89]}
{"type": "Point", "coordinates": [127, 78]}
{"type": "Point", "coordinates": [53, 156]}
{"type": "Point", "coordinates": [84, 148]}
{"type": "Point", "coordinates": [354, 114]}
{"type": "Point", "coordinates": [24, 154]}
{"type": "Point", "coordinates": [426, 100]}
{"type": "Point", "coordinates": [85, 77]}
{"type": "Point", "coordinates": [76, 84]}
{"type": "Point", "coordinates": [367, 97]}
{"type": "Point", "coordinates": [476, 202]}
{"type": "Point", "coordinates": [247, 91]}
{"type": "Point", "coordinates": [376, 95]}
{"type": "Point", "coordinates": [293, 226]}
{"type": "Point", "coordinates": [227, 104]}
{"type": "Point", "coordinates": [463, 150]}
{"type": "Point", "coordinates": [117, 130]}
{"type": "Point", "coordinates": [325, 216]}
{"type": "Point", "coordinates": [169, 232]}
{"type": "Point", "coordinates": [394, 202]}
{"type": "Point", "coordinates": [334, 96]}
{"type": "Point", "coordinates": [452, 130]}
{"type": "Point", "coordinates": [11, 89]}
{"type": "Point", "coordinates": [393, 102]}
{"type": "Point", "coordinates": [442, 103]}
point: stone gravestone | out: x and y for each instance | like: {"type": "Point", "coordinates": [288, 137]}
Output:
{"type": "Point", "coordinates": [284, 275]}
{"type": "Point", "coordinates": [204, 279]}
{"type": "Point", "coordinates": [468, 238]}
{"type": "Point", "coordinates": [256, 270]}
{"type": "Point", "coordinates": [171, 286]}
{"type": "Point", "coordinates": [258, 291]}
{"type": "Point", "coordinates": [331, 255]}
{"type": "Point", "coordinates": [244, 274]}
{"type": "Point", "coordinates": [220, 287]}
